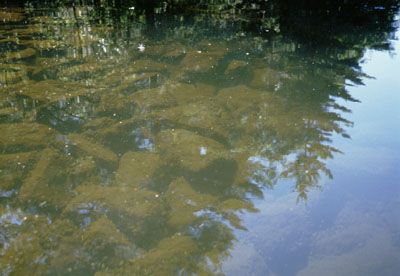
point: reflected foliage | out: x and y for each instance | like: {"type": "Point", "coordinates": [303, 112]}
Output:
{"type": "Point", "coordinates": [134, 133]}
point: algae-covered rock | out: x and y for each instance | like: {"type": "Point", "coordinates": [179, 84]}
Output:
{"type": "Point", "coordinates": [200, 62]}
{"type": "Point", "coordinates": [46, 181]}
{"type": "Point", "coordinates": [13, 167]}
{"type": "Point", "coordinates": [136, 169]}
{"type": "Point", "coordinates": [148, 65]}
{"type": "Point", "coordinates": [235, 64]}
{"type": "Point", "coordinates": [11, 16]}
{"type": "Point", "coordinates": [131, 210]}
{"type": "Point", "coordinates": [26, 53]}
{"type": "Point", "coordinates": [83, 166]}
{"type": "Point", "coordinates": [103, 235]}
{"type": "Point", "coordinates": [11, 115]}
{"type": "Point", "coordinates": [208, 116]}
{"type": "Point", "coordinates": [11, 76]}
{"type": "Point", "coordinates": [25, 137]}
{"type": "Point", "coordinates": [171, 94]}
{"type": "Point", "coordinates": [83, 71]}
{"type": "Point", "coordinates": [53, 90]}
{"type": "Point", "coordinates": [266, 78]}
{"type": "Point", "coordinates": [189, 150]}
{"type": "Point", "coordinates": [172, 256]}
{"type": "Point", "coordinates": [96, 150]}
{"type": "Point", "coordinates": [184, 202]}
{"type": "Point", "coordinates": [133, 82]}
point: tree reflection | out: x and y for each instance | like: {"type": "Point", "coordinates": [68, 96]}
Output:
{"type": "Point", "coordinates": [160, 147]}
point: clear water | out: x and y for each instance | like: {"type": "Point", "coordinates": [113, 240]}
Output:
{"type": "Point", "coordinates": [196, 146]}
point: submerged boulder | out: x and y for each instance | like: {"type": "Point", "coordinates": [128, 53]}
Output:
{"type": "Point", "coordinates": [46, 181]}
{"type": "Point", "coordinates": [25, 137]}
{"type": "Point", "coordinates": [89, 147]}
{"type": "Point", "coordinates": [184, 202]}
{"type": "Point", "coordinates": [136, 169]}
{"type": "Point", "coordinates": [13, 167]}
{"type": "Point", "coordinates": [189, 150]}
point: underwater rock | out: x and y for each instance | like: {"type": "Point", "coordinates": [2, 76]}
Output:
{"type": "Point", "coordinates": [26, 53]}
{"type": "Point", "coordinates": [25, 137]}
{"type": "Point", "coordinates": [96, 150]}
{"type": "Point", "coordinates": [83, 72]}
{"type": "Point", "coordinates": [103, 235]}
{"type": "Point", "coordinates": [131, 210]}
{"type": "Point", "coordinates": [83, 166]}
{"type": "Point", "coordinates": [136, 169]}
{"type": "Point", "coordinates": [13, 167]}
{"type": "Point", "coordinates": [68, 113]}
{"type": "Point", "coordinates": [200, 62]}
{"type": "Point", "coordinates": [172, 253]}
{"type": "Point", "coordinates": [53, 90]}
{"type": "Point", "coordinates": [189, 150]}
{"type": "Point", "coordinates": [44, 44]}
{"type": "Point", "coordinates": [148, 65]}
{"type": "Point", "coordinates": [9, 77]}
{"type": "Point", "coordinates": [14, 16]}
{"type": "Point", "coordinates": [184, 202]}
{"type": "Point", "coordinates": [235, 64]}
{"type": "Point", "coordinates": [267, 78]}
{"type": "Point", "coordinates": [45, 181]}
{"type": "Point", "coordinates": [170, 94]}
{"type": "Point", "coordinates": [11, 115]}
{"type": "Point", "coordinates": [133, 82]}
{"type": "Point", "coordinates": [207, 116]}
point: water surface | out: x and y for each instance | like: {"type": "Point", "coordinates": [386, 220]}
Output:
{"type": "Point", "coordinates": [208, 144]}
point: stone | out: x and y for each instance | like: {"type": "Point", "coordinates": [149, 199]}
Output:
{"type": "Point", "coordinates": [25, 137]}
{"type": "Point", "coordinates": [46, 180]}
{"type": "Point", "coordinates": [26, 53]}
{"type": "Point", "coordinates": [235, 64]}
{"type": "Point", "coordinates": [14, 167]}
{"type": "Point", "coordinates": [184, 202]}
{"type": "Point", "coordinates": [206, 116]}
{"type": "Point", "coordinates": [200, 62]}
{"type": "Point", "coordinates": [96, 150]}
{"type": "Point", "coordinates": [137, 169]}
{"type": "Point", "coordinates": [189, 150]}
{"type": "Point", "coordinates": [130, 209]}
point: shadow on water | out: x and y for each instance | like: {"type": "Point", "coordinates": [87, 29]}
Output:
{"type": "Point", "coordinates": [133, 135]}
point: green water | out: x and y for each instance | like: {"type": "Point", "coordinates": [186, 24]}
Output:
{"type": "Point", "coordinates": [208, 144]}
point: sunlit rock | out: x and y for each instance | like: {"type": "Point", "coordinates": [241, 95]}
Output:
{"type": "Point", "coordinates": [25, 137]}
{"type": "Point", "coordinates": [184, 202]}
{"type": "Point", "coordinates": [189, 150]}
{"type": "Point", "coordinates": [136, 169]}
{"type": "Point", "coordinates": [45, 181]}
{"type": "Point", "coordinates": [96, 150]}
